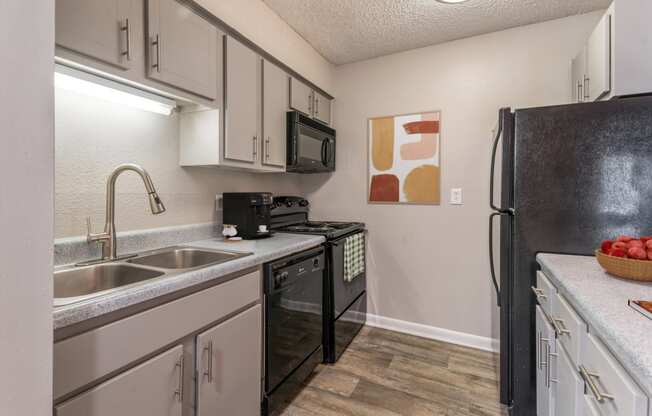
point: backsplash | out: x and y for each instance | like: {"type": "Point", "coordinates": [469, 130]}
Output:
{"type": "Point", "coordinates": [93, 136]}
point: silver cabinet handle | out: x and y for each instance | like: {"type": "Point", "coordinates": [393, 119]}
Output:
{"type": "Point", "coordinates": [560, 327]}
{"type": "Point", "coordinates": [589, 379]}
{"type": "Point", "coordinates": [255, 151]}
{"type": "Point", "coordinates": [539, 293]}
{"type": "Point", "coordinates": [549, 367]}
{"type": "Point", "coordinates": [316, 106]}
{"type": "Point", "coordinates": [544, 357]}
{"type": "Point", "coordinates": [126, 28]}
{"type": "Point", "coordinates": [539, 350]}
{"type": "Point", "coordinates": [586, 88]}
{"type": "Point", "coordinates": [267, 148]}
{"type": "Point", "coordinates": [209, 366]}
{"type": "Point", "coordinates": [580, 96]}
{"type": "Point", "coordinates": [157, 43]}
{"type": "Point", "coordinates": [179, 391]}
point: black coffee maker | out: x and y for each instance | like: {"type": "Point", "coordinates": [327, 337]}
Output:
{"type": "Point", "coordinates": [249, 212]}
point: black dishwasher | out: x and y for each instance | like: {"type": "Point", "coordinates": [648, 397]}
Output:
{"type": "Point", "coordinates": [293, 324]}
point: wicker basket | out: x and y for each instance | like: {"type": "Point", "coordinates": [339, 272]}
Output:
{"type": "Point", "coordinates": [640, 270]}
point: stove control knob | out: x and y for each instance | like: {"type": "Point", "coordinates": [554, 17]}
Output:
{"type": "Point", "coordinates": [289, 204]}
{"type": "Point", "coordinates": [304, 203]}
{"type": "Point", "coordinates": [315, 262]}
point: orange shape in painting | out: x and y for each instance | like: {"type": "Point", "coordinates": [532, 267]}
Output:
{"type": "Point", "coordinates": [382, 143]}
{"type": "Point", "coordinates": [422, 127]}
{"type": "Point", "coordinates": [421, 185]}
{"type": "Point", "coordinates": [384, 188]}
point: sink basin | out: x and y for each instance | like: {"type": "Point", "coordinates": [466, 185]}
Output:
{"type": "Point", "coordinates": [83, 282]}
{"type": "Point", "coordinates": [185, 258]}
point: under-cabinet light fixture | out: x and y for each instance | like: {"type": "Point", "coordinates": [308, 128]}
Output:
{"type": "Point", "coordinates": [451, 1]}
{"type": "Point", "coordinates": [92, 85]}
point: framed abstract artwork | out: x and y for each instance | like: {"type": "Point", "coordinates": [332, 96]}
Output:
{"type": "Point", "coordinates": [404, 159]}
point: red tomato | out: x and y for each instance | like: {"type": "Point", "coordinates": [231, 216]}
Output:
{"type": "Point", "coordinates": [637, 253]}
{"type": "Point", "coordinates": [617, 252]}
{"type": "Point", "coordinates": [634, 243]}
{"type": "Point", "coordinates": [624, 238]}
{"type": "Point", "coordinates": [619, 245]}
{"type": "Point", "coordinates": [606, 246]}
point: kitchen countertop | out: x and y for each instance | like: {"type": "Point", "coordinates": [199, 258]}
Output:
{"type": "Point", "coordinates": [601, 300]}
{"type": "Point", "coordinates": [263, 250]}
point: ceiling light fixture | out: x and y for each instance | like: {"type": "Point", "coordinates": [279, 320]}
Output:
{"type": "Point", "coordinates": [92, 85]}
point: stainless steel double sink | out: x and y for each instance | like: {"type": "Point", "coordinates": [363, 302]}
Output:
{"type": "Point", "coordinates": [78, 283]}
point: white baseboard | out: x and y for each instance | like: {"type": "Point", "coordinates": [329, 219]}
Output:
{"type": "Point", "coordinates": [432, 332]}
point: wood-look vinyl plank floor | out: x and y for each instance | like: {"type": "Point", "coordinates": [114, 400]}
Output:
{"type": "Point", "coordinates": [385, 373]}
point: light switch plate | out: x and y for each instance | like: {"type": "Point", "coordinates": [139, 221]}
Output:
{"type": "Point", "coordinates": [456, 196]}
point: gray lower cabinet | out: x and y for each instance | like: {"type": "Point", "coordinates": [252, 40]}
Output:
{"type": "Point", "coordinates": [545, 369]}
{"type": "Point", "coordinates": [107, 30]}
{"type": "Point", "coordinates": [154, 388]}
{"type": "Point", "coordinates": [182, 48]}
{"type": "Point", "coordinates": [275, 107]}
{"type": "Point", "coordinates": [242, 103]}
{"type": "Point", "coordinates": [229, 366]}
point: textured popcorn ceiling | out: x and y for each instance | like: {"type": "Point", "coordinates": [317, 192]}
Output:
{"type": "Point", "coordinates": [345, 31]}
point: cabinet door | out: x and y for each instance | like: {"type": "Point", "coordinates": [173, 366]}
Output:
{"type": "Point", "coordinates": [322, 108]}
{"type": "Point", "coordinates": [301, 97]}
{"type": "Point", "coordinates": [570, 387]}
{"type": "Point", "coordinates": [545, 371]}
{"type": "Point", "coordinates": [578, 71]}
{"type": "Point", "coordinates": [275, 106]}
{"type": "Point", "coordinates": [229, 361]}
{"type": "Point", "coordinates": [102, 29]}
{"type": "Point", "coordinates": [242, 94]}
{"type": "Point", "coordinates": [598, 77]}
{"type": "Point", "coordinates": [182, 48]}
{"type": "Point", "coordinates": [154, 388]}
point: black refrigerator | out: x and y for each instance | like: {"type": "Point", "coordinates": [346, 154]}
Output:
{"type": "Point", "coordinates": [567, 177]}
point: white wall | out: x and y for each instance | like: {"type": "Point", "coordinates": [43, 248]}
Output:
{"type": "Point", "coordinates": [429, 264]}
{"type": "Point", "coordinates": [26, 167]}
{"type": "Point", "coordinates": [264, 27]}
{"type": "Point", "coordinates": [93, 136]}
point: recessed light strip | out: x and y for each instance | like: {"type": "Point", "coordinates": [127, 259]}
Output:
{"type": "Point", "coordinates": [92, 85]}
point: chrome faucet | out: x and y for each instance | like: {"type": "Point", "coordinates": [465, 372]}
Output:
{"type": "Point", "coordinates": [108, 238]}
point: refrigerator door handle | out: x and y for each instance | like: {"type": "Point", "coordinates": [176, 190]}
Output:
{"type": "Point", "coordinates": [491, 253]}
{"type": "Point", "coordinates": [493, 206]}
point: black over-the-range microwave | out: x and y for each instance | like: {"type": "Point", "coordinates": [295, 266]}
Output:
{"type": "Point", "coordinates": [310, 146]}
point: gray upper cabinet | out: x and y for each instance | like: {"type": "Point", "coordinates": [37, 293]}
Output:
{"type": "Point", "coordinates": [182, 48]}
{"type": "Point", "coordinates": [310, 102]}
{"type": "Point", "coordinates": [275, 107]}
{"type": "Point", "coordinates": [154, 388]}
{"type": "Point", "coordinates": [578, 71]}
{"type": "Point", "coordinates": [300, 97]}
{"type": "Point", "coordinates": [242, 103]}
{"type": "Point", "coordinates": [107, 30]}
{"type": "Point", "coordinates": [229, 358]}
{"type": "Point", "coordinates": [599, 60]}
{"type": "Point", "coordinates": [322, 108]}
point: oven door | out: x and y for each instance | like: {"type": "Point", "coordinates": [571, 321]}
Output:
{"type": "Point", "coordinates": [293, 307]}
{"type": "Point", "coordinates": [315, 150]}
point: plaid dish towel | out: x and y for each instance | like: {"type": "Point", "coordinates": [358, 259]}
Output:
{"type": "Point", "coordinates": [354, 256]}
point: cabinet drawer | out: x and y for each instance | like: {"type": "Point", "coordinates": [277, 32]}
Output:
{"type": "Point", "coordinates": [604, 377]}
{"type": "Point", "coordinates": [85, 358]}
{"type": "Point", "coordinates": [569, 327]}
{"type": "Point", "coordinates": [154, 388]}
{"type": "Point", "coordinates": [545, 293]}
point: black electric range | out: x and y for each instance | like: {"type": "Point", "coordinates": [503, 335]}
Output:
{"type": "Point", "coordinates": [345, 303]}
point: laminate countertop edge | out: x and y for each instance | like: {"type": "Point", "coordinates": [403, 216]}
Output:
{"type": "Point", "coordinates": [263, 251]}
{"type": "Point", "coordinates": [601, 300]}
